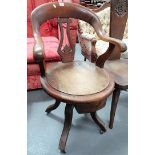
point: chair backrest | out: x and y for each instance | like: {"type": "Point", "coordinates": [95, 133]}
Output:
{"type": "Point", "coordinates": [118, 20]}
{"type": "Point", "coordinates": [64, 11]}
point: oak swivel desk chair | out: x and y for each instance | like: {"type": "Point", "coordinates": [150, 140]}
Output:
{"type": "Point", "coordinates": [67, 81]}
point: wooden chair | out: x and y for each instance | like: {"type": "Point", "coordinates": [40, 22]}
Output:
{"type": "Point", "coordinates": [67, 81]}
{"type": "Point", "coordinates": [116, 66]}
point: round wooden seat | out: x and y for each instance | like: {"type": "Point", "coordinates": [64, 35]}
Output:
{"type": "Point", "coordinates": [118, 70]}
{"type": "Point", "coordinates": [77, 78]}
{"type": "Point", "coordinates": [77, 81]}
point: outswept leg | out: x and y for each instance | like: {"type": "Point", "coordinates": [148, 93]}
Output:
{"type": "Point", "coordinates": [115, 98]}
{"type": "Point", "coordinates": [67, 126]}
{"type": "Point", "coordinates": [98, 121]}
{"type": "Point", "coordinates": [52, 107]}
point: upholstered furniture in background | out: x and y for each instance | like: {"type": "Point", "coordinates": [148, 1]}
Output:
{"type": "Point", "coordinates": [113, 15]}
{"type": "Point", "coordinates": [68, 81]}
{"type": "Point", "coordinates": [50, 34]}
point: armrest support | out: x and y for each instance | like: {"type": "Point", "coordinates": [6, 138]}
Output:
{"type": "Point", "coordinates": [117, 42]}
{"type": "Point", "coordinates": [92, 55]}
{"type": "Point", "coordinates": [114, 42]}
{"type": "Point", "coordinates": [38, 50]}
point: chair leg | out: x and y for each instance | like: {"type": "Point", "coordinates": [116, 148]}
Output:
{"type": "Point", "coordinates": [85, 58]}
{"type": "Point", "coordinates": [66, 128]}
{"type": "Point", "coordinates": [115, 98]}
{"type": "Point", "coordinates": [52, 107]}
{"type": "Point", "coordinates": [98, 121]}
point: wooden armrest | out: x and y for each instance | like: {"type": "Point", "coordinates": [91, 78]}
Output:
{"type": "Point", "coordinates": [117, 42]}
{"type": "Point", "coordinates": [114, 42]}
{"type": "Point", "coordinates": [38, 48]}
{"type": "Point", "coordinates": [100, 59]}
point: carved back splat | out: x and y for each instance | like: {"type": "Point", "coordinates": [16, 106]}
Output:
{"type": "Point", "coordinates": [66, 52]}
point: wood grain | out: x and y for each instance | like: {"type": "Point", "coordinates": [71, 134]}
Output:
{"type": "Point", "coordinates": [77, 78]}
